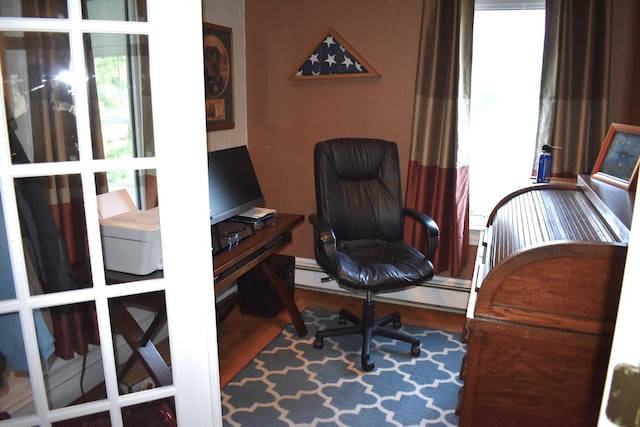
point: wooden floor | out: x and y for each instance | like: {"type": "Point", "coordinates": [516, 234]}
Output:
{"type": "Point", "coordinates": [241, 337]}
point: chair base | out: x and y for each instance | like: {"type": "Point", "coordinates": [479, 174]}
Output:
{"type": "Point", "coordinates": [368, 326]}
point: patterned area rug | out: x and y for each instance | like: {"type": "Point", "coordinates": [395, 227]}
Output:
{"type": "Point", "coordinates": [290, 383]}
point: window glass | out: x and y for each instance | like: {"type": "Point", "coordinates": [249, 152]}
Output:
{"type": "Point", "coordinates": [129, 215]}
{"type": "Point", "coordinates": [121, 10]}
{"type": "Point", "coordinates": [16, 389]}
{"type": "Point", "coordinates": [156, 413]}
{"type": "Point", "coordinates": [120, 95]}
{"type": "Point", "coordinates": [507, 63]}
{"type": "Point", "coordinates": [140, 322]}
{"type": "Point", "coordinates": [7, 287]}
{"type": "Point", "coordinates": [94, 420]}
{"type": "Point", "coordinates": [115, 10]}
{"type": "Point", "coordinates": [54, 235]}
{"type": "Point", "coordinates": [40, 96]}
{"type": "Point", "coordinates": [34, 9]}
{"type": "Point", "coordinates": [69, 345]}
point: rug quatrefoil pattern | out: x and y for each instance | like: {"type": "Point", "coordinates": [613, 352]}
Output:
{"type": "Point", "coordinates": [290, 383]}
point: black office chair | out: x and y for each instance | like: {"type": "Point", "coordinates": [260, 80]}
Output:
{"type": "Point", "coordinates": [358, 228]}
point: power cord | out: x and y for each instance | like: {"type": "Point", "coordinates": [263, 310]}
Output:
{"type": "Point", "coordinates": [84, 367]}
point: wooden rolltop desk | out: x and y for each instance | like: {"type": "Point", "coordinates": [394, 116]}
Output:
{"type": "Point", "coordinates": [543, 305]}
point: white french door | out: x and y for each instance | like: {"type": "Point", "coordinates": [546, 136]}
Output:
{"type": "Point", "coordinates": [101, 95]}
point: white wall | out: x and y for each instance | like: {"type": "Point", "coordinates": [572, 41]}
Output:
{"type": "Point", "coordinates": [230, 13]}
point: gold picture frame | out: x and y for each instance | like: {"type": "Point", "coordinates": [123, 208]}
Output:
{"type": "Point", "coordinates": [617, 163]}
{"type": "Point", "coordinates": [218, 76]}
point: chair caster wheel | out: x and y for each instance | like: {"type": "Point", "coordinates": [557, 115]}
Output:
{"type": "Point", "coordinates": [397, 324]}
{"type": "Point", "coordinates": [318, 343]}
{"type": "Point", "coordinates": [415, 350]}
{"type": "Point", "coordinates": [342, 320]}
{"type": "Point", "coordinates": [366, 365]}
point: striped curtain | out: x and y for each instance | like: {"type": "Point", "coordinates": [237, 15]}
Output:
{"type": "Point", "coordinates": [574, 94]}
{"type": "Point", "coordinates": [438, 173]}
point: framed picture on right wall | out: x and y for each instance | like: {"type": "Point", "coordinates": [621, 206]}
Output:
{"type": "Point", "coordinates": [618, 160]}
{"type": "Point", "coordinates": [218, 76]}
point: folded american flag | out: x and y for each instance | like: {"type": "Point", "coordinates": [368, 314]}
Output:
{"type": "Point", "coordinates": [331, 57]}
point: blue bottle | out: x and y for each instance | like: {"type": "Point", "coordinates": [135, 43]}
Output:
{"type": "Point", "coordinates": [544, 165]}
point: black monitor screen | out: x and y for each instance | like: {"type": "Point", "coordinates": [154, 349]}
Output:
{"type": "Point", "coordinates": [233, 185]}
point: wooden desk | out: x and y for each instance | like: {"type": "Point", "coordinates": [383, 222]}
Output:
{"type": "Point", "coordinates": [251, 252]}
{"type": "Point", "coordinates": [141, 341]}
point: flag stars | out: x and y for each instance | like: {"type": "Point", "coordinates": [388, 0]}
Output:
{"type": "Point", "coordinates": [314, 58]}
{"type": "Point", "coordinates": [331, 60]}
{"type": "Point", "coordinates": [329, 41]}
{"type": "Point", "coordinates": [347, 62]}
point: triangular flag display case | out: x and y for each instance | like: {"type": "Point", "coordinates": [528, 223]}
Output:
{"type": "Point", "coordinates": [332, 57]}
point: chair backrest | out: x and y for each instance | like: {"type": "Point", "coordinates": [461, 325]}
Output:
{"type": "Point", "coordinates": [358, 188]}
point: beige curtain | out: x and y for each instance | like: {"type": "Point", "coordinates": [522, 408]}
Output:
{"type": "Point", "coordinates": [575, 83]}
{"type": "Point", "coordinates": [438, 174]}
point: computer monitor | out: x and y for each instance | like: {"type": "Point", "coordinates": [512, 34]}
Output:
{"type": "Point", "coordinates": [233, 184]}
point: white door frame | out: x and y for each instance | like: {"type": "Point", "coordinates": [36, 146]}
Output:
{"type": "Point", "coordinates": [625, 348]}
{"type": "Point", "coordinates": [176, 64]}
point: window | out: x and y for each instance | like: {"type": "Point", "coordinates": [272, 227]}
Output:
{"type": "Point", "coordinates": [505, 86]}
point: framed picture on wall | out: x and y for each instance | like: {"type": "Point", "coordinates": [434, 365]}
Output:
{"type": "Point", "coordinates": [218, 76]}
{"type": "Point", "coordinates": [618, 160]}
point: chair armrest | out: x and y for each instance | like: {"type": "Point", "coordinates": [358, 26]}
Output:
{"type": "Point", "coordinates": [326, 239]}
{"type": "Point", "coordinates": [430, 226]}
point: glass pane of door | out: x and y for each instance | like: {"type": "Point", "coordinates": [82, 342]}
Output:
{"type": "Point", "coordinates": [117, 10]}
{"type": "Point", "coordinates": [34, 9]}
{"type": "Point", "coordinates": [40, 95]}
{"type": "Point", "coordinates": [69, 345]}
{"type": "Point", "coordinates": [54, 233]}
{"type": "Point", "coordinates": [140, 322]}
{"type": "Point", "coordinates": [120, 96]}
{"type": "Point", "coordinates": [15, 393]}
{"type": "Point", "coordinates": [129, 225]}
{"type": "Point", "coordinates": [7, 289]}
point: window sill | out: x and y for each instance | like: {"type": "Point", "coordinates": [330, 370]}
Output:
{"type": "Point", "coordinates": [476, 226]}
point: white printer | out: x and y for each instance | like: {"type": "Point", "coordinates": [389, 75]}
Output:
{"type": "Point", "coordinates": [130, 237]}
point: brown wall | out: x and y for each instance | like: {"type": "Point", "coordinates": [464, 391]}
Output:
{"type": "Point", "coordinates": [624, 90]}
{"type": "Point", "coordinates": [286, 118]}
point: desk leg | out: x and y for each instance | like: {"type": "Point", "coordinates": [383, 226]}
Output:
{"type": "Point", "coordinates": [285, 296]}
{"type": "Point", "coordinates": [124, 324]}
{"type": "Point", "coordinates": [159, 320]}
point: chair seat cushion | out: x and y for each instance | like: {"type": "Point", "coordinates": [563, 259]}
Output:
{"type": "Point", "coordinates": [376, 265]}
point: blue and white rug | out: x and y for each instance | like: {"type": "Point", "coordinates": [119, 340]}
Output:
{"type": "Point", "coordinates": [290, 383]}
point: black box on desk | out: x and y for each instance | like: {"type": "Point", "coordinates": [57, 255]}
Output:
{"type": "Point", "coordinates": [256, 295]}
